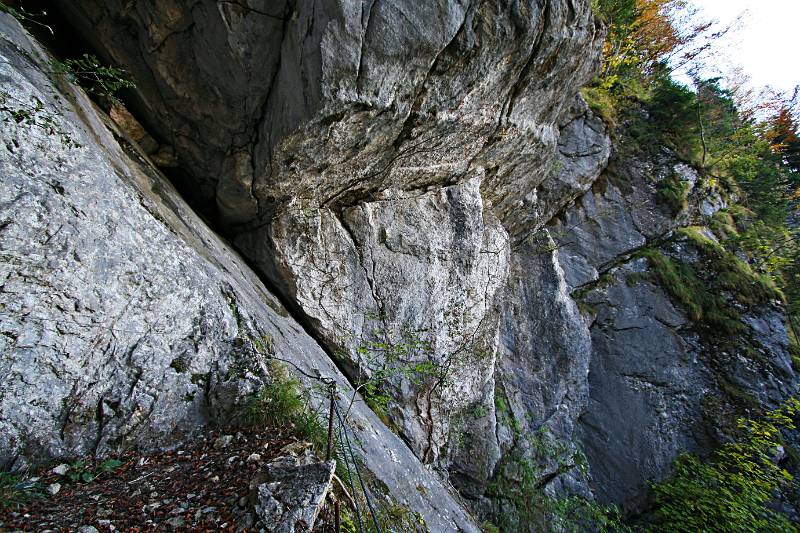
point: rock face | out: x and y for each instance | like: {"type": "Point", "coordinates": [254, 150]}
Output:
{"type": "Point", "coordinates": [290, 499]}
{"type": "Point", "coordinates": [125, 321]}
{"type": "Point", "coordinates": [408, 269]}
{"type": "Point", "coordinates": [338, 101]}
{"type": "Point", "coordinates": [658, 382]}
{"type": "Point", "coordinates": [424, 188]}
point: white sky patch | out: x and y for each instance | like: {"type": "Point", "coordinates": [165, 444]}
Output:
{"type": "Point", "coordinates": [765, 45]}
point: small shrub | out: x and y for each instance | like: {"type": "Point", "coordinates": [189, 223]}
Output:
{"type": "Point", "coordinates": [731, 491]}
{"type": "Point", "coordinates": [603, 104]}
{"type": "Point", "coordinates": [96, 78]}
{"type": "Point", "coordinates": [81, 471]}
{"type": "Point", "coordinates": [526, 506]}
{"type": "Point", "coordinates": [673, 192]}
{"type": "Point", "coordinates": [282, 404]}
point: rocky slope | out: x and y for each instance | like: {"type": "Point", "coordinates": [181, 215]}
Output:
{"type": "Point", "coordinates": [431, 199]}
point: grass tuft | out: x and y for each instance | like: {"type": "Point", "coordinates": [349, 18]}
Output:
{"type": "Point", "coordinates": [16, 490]}
{"type": "Point", "coordinates": [282, 404]}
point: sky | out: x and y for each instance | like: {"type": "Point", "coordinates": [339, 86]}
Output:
{"type": "Point", "coordinates": [764, 44]}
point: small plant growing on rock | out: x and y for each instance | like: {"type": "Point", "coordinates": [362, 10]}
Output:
{"type": "Point", "coordinates": [674, 193]}
{"type": "Point", "coordinates": [382, 360]}
{"type": "Point", "coordinates": [97, 79]}
{"type": "Point", "coordinates": [282, 404]}
{"type": "Point", "coordinates": [80, 471]}
{"type": "Point", "coordinates": [87, 71]}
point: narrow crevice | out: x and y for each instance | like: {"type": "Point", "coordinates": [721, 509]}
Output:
{"type": "Point", "coordinates": [294, 310]}
{"type": "Point", "coordinates": [366, 16]}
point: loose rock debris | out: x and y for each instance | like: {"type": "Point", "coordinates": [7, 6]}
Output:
{"type": "Point", "coordinates": [202, 485]}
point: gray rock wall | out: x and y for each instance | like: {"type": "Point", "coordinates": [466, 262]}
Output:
{"type": "Point", "coordinates": [406, 268]}
{"type": "Point", "coordinates": [659, 384]}
{"type": "Point", "coordinates": [424, 189]}
{"type": "Point", "coordinates": [333, 101]}
{"type": "Point", "coordinates": [125, 321]}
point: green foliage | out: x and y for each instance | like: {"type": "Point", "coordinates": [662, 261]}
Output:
{"type": "Point", "coordinates": [794, 352]}
{"type": "Point", "coordinates": [674, 192]}
{"type": "Point", "coordinates": [731, 273]}
{"type": "Point", "coordinates": [732, 489]}
{"type": "Point", "coordinates": [282, 404]}
{"type": "Point", "coordinates": [702, 296]}
{"type": "Point", "coordinates": [87, 71]}
{"type": "Point", "coordinates": [672, 109]}
{"type": "Point", "coordinates": [390, 516]}
{"type": "Point", "coordinates": [603, 104]}
{"type": "Point", "coordinates": [382, 358]}
{"type": "Point", "coordinates": [348, 521]}
{"type": "Point", "coordinates": [81, 471]}
{"type": "Point", "coordinates": [96, 78]}
{"type": "Point", "coordinates": [526, 507]}
{"type": "Point", "coordinates": [618, 13]}
{"type": "Point", "coordinates": [489, 527]}
{"type": "Point", "coordinates": [690, 292]}
{"type": "Point", "coordinates": [723, 225]}
{"type": "Point", "coordinates": [16, 490]}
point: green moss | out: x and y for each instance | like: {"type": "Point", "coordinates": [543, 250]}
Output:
{"type": "Point", "coordinates": [180, 365]}
{"type": "Point", "coordinates": [586, 308]}
{"type": "Point", "coordinates": [731, 273]}
{"type": "Point", "coordinates": [200, 379]}
{"type": "Point", "coordinates": [395, 517]}
{"type": "Point", "coordinates": [690, 292]}
{"type": "Point", "coordinates": [794, 352]}
{"type": "Point", "coordinates": [604, 280]}
{"type": "Point", "coordinates": [390, 515]}
{"type": "Point", "coordinates": [736, 394]}
{"type": "Point", "coordinates": [500, 404]}
{"type": "Point", "coordinates": [741, 216]}
{"type": "Point", "coordinates": [488, 527]}
{"type": "Point", "coordinates": [673, 192]}
{"type": "Point", "coordinates": [723, 225]}
{"type": "Point", "coordinates": [701, 296]}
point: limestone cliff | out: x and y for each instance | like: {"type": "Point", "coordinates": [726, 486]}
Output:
{"type": "Point", "coordinates": [424, 190]}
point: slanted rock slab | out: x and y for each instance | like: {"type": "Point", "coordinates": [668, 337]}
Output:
{"type": "Point", "coordinates": [293, 495]}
